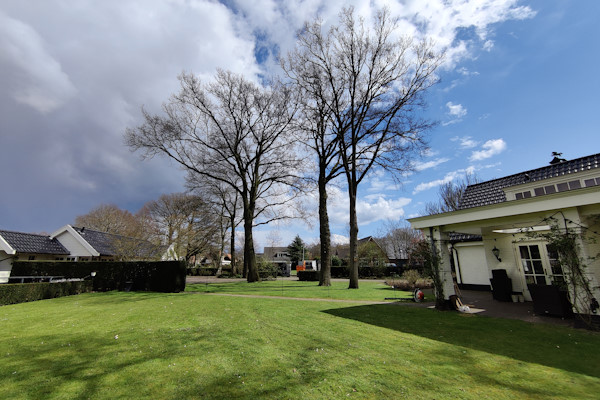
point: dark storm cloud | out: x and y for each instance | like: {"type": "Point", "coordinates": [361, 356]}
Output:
{"type": "Point", "coordinates": [73, 78]}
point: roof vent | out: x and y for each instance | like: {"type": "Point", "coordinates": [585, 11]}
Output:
{"type": "Point", "coordinates": [557, 159]}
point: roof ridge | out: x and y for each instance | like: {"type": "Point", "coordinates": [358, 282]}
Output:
{"type": "Point", "coordinates": [573, 161]}
{"type": "Point", "coordinates": [25, 233]}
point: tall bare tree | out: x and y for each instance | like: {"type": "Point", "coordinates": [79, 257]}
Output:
{"type": "Point", "coordinates": [234, 132]}
{"type": "Point", "coordinates": [187, 222]}
{"type": "Point", "coordinates": [398, 238]}
{"type": "Point", "coordinates": [375, 84]}
{"type": "Point", "coordinates": [110, 218]}
{"type": "Point", "coordinates": [227, 204]}
{"type": "Point", "coordinates": [313, 121]}
{"type": "Point", "coordinates": [450, 195]}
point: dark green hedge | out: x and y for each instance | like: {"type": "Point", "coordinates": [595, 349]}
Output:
{"type": "Point", "coordinates": [156, 276]}
{"type": "Point", "coordinates": [13, 293]}
{"type": "Point", "coordinates": [363, 272]}
{"type": "Point", "coordinates": [309, 276]}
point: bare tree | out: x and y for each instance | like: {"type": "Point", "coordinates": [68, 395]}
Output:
{"type": "Point", "coordinates": [374, 87]}
{"type": "Point", "coordinates": [129, 236]}
{"type": "Point", "coordinates": [234, 132]}
{"type": "Point", "coordinates": [450, 195]}
{"type": "Point", "coordinates": [398, 238]}
{"type": "Point", "coordinates": [110, 218]}
{"type": "Point", "coordinates": [187, 222]}
{"type": "Point", "coordinates": [227, 204]}
{"type": "Point", "coordinates": [313, 120]}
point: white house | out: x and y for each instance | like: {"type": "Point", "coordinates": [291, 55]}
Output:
{"type": "Point", "coordinates": [504, 218]}
{"type": "Point", "coordinates": [71, 244]}
{"type": "Point", "coordinates": [28, 246]}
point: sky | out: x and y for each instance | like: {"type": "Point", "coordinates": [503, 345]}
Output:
{"type": "Point", "coordinates": [519, 82]}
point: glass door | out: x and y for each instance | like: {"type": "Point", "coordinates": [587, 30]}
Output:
{"type": "Point", "coordinates": [541, 264]}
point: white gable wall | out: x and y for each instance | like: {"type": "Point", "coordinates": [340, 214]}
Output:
{"type": "Point", "coordinates": [73, 245]}
{"type": "Point", "coordinates": [5, 266]}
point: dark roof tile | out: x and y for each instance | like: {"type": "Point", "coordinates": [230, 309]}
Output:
{"type": "Point", "coordinates": [32, 243]}
{"type": "Point", "coordinates": [491, 192]}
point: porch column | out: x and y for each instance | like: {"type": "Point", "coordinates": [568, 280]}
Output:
{"type": "Point", "coordinates": [441, 240]}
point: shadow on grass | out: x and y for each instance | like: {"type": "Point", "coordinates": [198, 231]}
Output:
{"type": "Point", "coordinates": [554, 346]}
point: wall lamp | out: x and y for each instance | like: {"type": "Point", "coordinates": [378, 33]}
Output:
{"type": "Point", "coordinates": [496, 253]}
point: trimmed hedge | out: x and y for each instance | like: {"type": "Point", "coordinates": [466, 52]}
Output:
{"type": "Point", "coordinates": [309, 276]}
{"type": "Point", "coordinates": [363, 272]}
{"type": "Point", "coordinates": [14, 293]}
{"type": "Point", "coordinates": [156, 276]}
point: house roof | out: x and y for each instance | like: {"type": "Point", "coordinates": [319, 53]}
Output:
{"type": "Point", "coordinates": [32, 243]}
{"type": "Point", "coordinates": [491, 192]}
{"type": "Point", "coordinates": [107, 243]}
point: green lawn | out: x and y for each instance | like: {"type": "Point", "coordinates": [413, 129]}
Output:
{"type": "Point", "coordinates": [369, 290]}
{"type": "Point", "coordinates": [191, 345]}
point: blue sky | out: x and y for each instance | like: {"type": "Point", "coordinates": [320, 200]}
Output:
{"type": "Point", "coordinates": [519, 83]}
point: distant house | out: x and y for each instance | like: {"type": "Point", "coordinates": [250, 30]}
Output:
{"type": "Point", "coordinates": [277, 254]}
{"type": "Point", "coordinates": [27, 246]}
{"type": "Point", "coordinates": [343, 251]}
{"type": "Point", "coordinates": [71, 244]}
{"type": "Point", "coordinates": [493, 234]}
{"type": "Point", "coordinates": [90, 245]}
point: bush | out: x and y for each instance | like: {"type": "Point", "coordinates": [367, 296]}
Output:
{"type": "Point", "coordinates": [13, 293]}
{"type": "Point", "coordinates": [411, 276]}
{"type": "Point", "coordinates": [267, 270]}
{"type": "Point", "coordinates": [308, 276]}
{"type": "Point", "coordinates": [158, 276]}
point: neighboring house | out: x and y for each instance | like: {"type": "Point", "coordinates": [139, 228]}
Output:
{"type": "Point", "coordinates": [277, 254]}
{"type": "Point", "coordinates": [343, 251]}
{"type": "Point", "coordinates": [90, 245]}
{"type": "Point", "coordinates": [27, 246]}
{"type": "Point", "coordinates": [71, 244]}
{"type": "Point", "coordinates": [500, 212]}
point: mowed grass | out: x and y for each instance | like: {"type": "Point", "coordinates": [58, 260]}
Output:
{"type": "Point", "coordinates": [368, 291]}
{"type": "Point", "coordinates": [191, 345]}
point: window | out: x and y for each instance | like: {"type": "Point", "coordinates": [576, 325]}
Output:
{"type": "Point", "coordinates": [550, 189]}
{"type": "Point", "coordinates": [574, 185]}
{"type": "Point", "coordinates": [541, 265]}
{"type": "Point", "coordinates": [532, 265]}
{"type": "Point", "coordinates": [31, 258]}
{"type": "Point", "coordinates": [563, 187]}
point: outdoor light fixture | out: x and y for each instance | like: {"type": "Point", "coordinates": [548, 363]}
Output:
{"type": "Point", "coordinates": [93, 274]}
{"type": "Point", "coordinates": [496, 253]}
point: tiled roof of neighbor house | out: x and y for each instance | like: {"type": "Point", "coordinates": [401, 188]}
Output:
{"type": "Point", "coordinates": [34, 244]}
{"type": "Point", "coordinates": [107, 244]}
{"type": "Point", "coordinates": [491, 192]}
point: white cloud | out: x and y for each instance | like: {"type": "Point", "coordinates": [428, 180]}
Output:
{"type": "Point", "coordinates": [420, 166]}
{"type": "Point", "coordinates": [339, 239]}
{"type": "Point", "coordinates": [456, 110]}
{"type": "Point", "coordinates": [490, 148]}
{"type": "Point", "coordinates": [369, 209]}
{"type": "Point", "coordinates": [466, 142]}
{"type": "Point", "coordinates": [449, 177]}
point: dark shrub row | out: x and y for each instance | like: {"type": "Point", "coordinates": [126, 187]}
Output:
{"type": "Point", "coordinates": [13, 293]}
{"type": "Point", "coordinates": [207, 271]}
{"type": "Point", "coordinates": [310, 275]}
{"type": "Point", "coordinates": [156, 276]}
{"type": "Point", "coordinates": [343, 272]}
{"type": "Point", "coordinates": [366, 272]}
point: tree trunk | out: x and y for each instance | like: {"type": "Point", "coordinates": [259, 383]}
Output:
{"type": "Point", "coordinates": [249, 255]}
{"type": "Point", "coordinates": [353, 262]}
{"type": "Point", "coordinates": [325, 233]}
{"type": "Point", "coordinates": [234, 270]}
